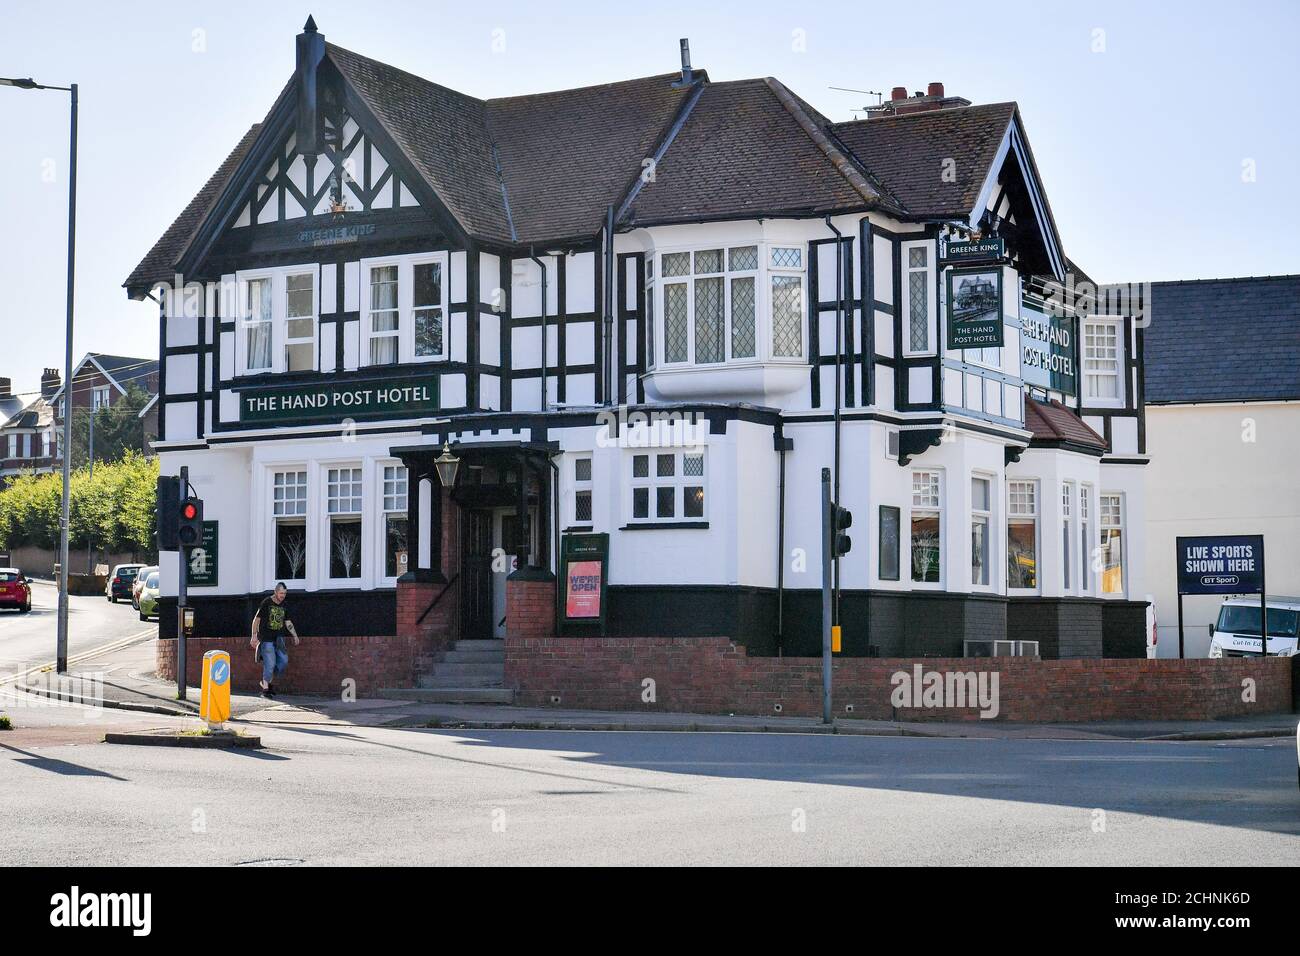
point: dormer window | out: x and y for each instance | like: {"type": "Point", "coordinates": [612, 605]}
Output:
{"type": "Point", "coordinates": [725, 304]}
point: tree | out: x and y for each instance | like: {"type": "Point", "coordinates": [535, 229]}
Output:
{"type": "Point", "coordinates": [118, 429]}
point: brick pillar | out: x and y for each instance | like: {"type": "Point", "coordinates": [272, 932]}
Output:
{"type": "Point", "coordinates": [428, 629]}
{"type": "Point", "coordinates": [530, 604]}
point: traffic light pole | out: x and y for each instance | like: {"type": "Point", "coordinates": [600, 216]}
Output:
{"type": "Point", "coordinates": [827, 537]}
{"type": "Point", "coordinates": [181, 583]}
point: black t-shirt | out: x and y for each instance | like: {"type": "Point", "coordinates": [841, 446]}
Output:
{"type": "Point", "coordinates": [273, 617]}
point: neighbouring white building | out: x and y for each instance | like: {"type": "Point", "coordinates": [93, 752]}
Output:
{"type": "Point", "coordinates": [1222, 425]}
{"type": "Point", "coordinates": [652, 310]}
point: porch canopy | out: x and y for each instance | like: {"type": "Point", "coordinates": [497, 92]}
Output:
{"type": "Point", "coordinates": [491, 474]}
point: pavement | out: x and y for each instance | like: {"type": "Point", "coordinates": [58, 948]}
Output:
{"type": "Point", "coordinates": [129, 683]}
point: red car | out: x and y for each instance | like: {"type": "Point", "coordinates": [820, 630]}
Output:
{"type": "Point", "coordinates": [14, 590]}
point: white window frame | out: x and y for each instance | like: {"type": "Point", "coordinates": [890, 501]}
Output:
{"type": "Point", "coordinates": [395, 503]}
{"type": "Point", "coordinates": [405, 305]}
{"type": "Point", "coordinates": [100, 397]}
{"type": "Point", "coordinates": [278, 277]}
{"type": "Point", "coordinates": [764, 352]}
{"type": "Point", "coordinates": [294, 514]}
{"type": "Point", "coordinates": [1085, 545]}
{"type": "Point", "coordinates": [1093, 368]}
{"type": "Point", "coordinates": [678, 481]}
{"type": "Point", "coordinates": [1069, 524]}
{"type": "Point", "coordinates": [924, 508]}
{"type": "Point", "coordinates": [931, 306]}
{"type": "Point", "coordinates": [1104, 525]}
{"type": "Point", "coordinates": [987, 517]}
{"type": "Point", "coordinates": [326, 517]}
{"type": "Point", "coordinates": [580, 486]}
{"type": "Point", "coordinates": [1036, 514]}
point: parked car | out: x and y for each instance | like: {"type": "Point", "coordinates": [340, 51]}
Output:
{"type": "Point", "coordinates": [139, 584]}
{"type": "Point", "coordinates": [120, 581]}
{"type": "Point", "coordinates": [149, 597]}
{"type": "Point", "coordinates": [1237, 631]}
{"type": "Point", "coordinates": [15, 592]}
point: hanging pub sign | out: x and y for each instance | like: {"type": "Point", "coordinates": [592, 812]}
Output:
{"type": "Point", "coordinates": [974, 304]}
{"type": "Point", "coordinates": [404, 397]}
{"type": "Point", "coordinates": [1047, 350]}
{"type": "Point", "coordinates": [585, 570]}
{"type": "Point", "coordinates": [975, 250]}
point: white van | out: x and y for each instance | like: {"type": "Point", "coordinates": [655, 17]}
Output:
{"type": "Point", "coordinates": [1236, 634]}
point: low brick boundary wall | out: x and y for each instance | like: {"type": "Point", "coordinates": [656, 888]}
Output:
{"type": "Point", "coordinates": [712, 676]}
{"type": "Point", "coordinates": [318, 665]}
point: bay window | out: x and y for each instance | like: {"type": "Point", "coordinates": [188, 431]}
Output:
{"type": "Point", "coordinates": [1085, 543]}
{"type": "Point", "coordinates": [668, 486]}
{"type": "Point", "coordinates": [926, 527]}
{"type": "Point", "coordinates": [343, 514]}
{"type": "Point", "coordinates": [725, 304]}
{"type": "Point", "coordinates": [918, 301]}
{"type": "Point", "coordinates": [1112, 544]}
{"type": "Point", "coordinates": [404, 314]}
{"type": "Point", "coordinates": [289, 512]}
{"type": "Point", "coordinates": [1022, 535]}
{"type": "Point", "coordinates": [981, 500]}
{"type": "Point", "coordinates": [396, 539]}
{"type": "Point", "coordinates": [277, 315]}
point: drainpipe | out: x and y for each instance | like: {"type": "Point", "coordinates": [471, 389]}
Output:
{"type": "Point", "coordinates": [532, 254]}
{"type": "Point", "coordinates": [839, 372]}
{"type": "Point", "coordinates": [609, 306]}
{"type": "Point", "coordinates": [783, 445]}
{"type": "Point", "coordinates": [555, 533]}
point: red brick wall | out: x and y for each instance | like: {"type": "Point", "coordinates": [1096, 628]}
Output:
{"type": "Point", "coordinates": [530, 608]}
{"type": "Point", "coordinates": [711, 675]}
{"type": "Point", "coordinates": [319, 665]}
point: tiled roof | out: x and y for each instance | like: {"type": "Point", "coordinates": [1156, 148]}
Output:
{"type": "Point", "coordinates": [1052, 422]}
{"type": "Point", "coordinates": [545, 167]}
{"type": "Point", "coordinates": [741, 153]}
{"type": "Point", "coordinates": [1223, 340]}
{"type": "Point", "coordinates": [909, 154]}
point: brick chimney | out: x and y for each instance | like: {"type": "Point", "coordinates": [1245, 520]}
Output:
{"type": "Point", "coordinates": [932, 99]}
{"type": "Point", "coordinates": [50, 381]}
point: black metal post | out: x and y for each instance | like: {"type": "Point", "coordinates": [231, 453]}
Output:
{"type": "Point", "coordinates": [181, 588]}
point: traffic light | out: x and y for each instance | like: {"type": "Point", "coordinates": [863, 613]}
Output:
{"type": "Point", "coordinates": [841, 521]}
{"type": "Point", "coordinates": [189, 527]}
{"type": "Point", "coordinates": [168, 511]}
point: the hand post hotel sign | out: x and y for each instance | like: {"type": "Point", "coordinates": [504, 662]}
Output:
{"type": "Point", "coordinates": [1222, 564]}
{"type": "Point", "coordinates": [974, 306]}
{"type": "Point", "coordinates": [337, 401]}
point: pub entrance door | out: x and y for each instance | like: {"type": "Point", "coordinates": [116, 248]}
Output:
{"type": "Point", "coordinates": [476, 604]}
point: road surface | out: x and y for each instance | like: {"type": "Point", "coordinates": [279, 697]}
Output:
{"type": "Point", "coordinates": [338, 794]}
{"type": "Point", "coordinates": [28, 640]}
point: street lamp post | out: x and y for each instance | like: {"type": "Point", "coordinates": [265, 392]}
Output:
{"type": "Point", "coordinates": [61, 651]}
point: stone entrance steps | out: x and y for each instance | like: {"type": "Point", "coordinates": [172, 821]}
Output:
{"type": "Point", "coordinates": [470, 672]}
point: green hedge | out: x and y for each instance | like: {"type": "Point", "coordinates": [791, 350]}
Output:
{"type": "Point", "coordinates": [113, 511]}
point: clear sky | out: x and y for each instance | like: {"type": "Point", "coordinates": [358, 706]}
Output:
{"type": "Point", "coordinates": [1166, 133]}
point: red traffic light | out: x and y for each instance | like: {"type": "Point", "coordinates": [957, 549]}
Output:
{"type": "Point", "coordinates": [189, 512]}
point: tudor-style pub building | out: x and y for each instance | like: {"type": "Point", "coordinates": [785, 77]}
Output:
{"type": "Point", "coordinates": [638, 319]}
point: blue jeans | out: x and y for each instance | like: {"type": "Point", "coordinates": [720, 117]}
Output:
{"type": "Point", "coordinates": [275, 659]}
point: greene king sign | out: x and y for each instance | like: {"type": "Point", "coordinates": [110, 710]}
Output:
{"type": "Point", "coordinates": [410, 396]}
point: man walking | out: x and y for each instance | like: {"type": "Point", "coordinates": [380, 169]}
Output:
{"type": "Point", "coordinates": [269, 626]}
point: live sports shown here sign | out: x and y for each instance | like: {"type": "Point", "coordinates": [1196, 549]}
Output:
{"type": "Point", "coordinates": [585, 570]}
{"type": "Point", "coordinates": [1221, 564]}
